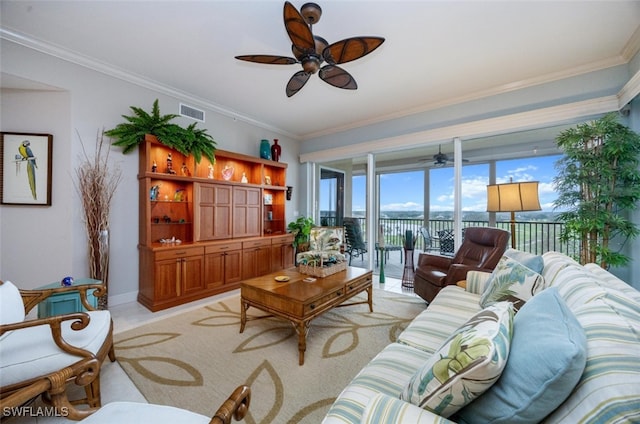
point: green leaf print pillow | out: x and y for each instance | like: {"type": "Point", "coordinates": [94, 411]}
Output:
{"type": "Point", "coordinates": [466, 365]}
{"type": "Point", "coordinates": [512, 281]}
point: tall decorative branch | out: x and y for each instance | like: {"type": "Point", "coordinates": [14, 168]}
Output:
{"type": "Point", "coordinates": [96, 183]}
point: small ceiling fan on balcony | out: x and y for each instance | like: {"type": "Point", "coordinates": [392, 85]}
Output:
{"type": "Point", "coordinates": [311, 51]}
{"type": "Point", "coordinates": [441, 159]}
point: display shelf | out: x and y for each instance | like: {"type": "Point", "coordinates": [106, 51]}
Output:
{"type": "Point", "coordinates": [226, 230]}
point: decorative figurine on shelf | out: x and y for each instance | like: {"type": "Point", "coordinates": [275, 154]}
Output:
{"type": "Point", "coordinates": [276, 150]}
{"type": "Point", "coordinates": [185, 170]}
{"type": "Point", "coordinates": [267, 180]}
{"type": "Point", "coordinates": [154, 192]}
{"type": "Point", "coordinates": [210, 175]}
{"type": "Point", "coordinates": [154, 167]}
{"type": "Point", "coordinates": [66, 281]}
{"type": "Point", "coordinates": [265, 149]}
{"type": "Point", "coordinates": [244, 178]}
{"type": "Point", "coordinates": [227, 172]}
{"type": "Point", "coordinates": [170, 169]}
{"type": "Point", "coordinates": [179, 195]}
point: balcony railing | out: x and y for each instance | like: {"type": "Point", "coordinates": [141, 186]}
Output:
{"type": "Point", "coordinates": [535, 237]}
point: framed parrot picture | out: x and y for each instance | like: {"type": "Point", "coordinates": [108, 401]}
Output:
{"type": "Point", "coordinates": [25, 168]}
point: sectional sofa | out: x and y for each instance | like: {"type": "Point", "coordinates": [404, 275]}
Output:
{"type": "Point", "coordinates": [541, 339]}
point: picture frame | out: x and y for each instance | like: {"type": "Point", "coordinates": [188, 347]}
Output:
{"type": "Point", "coordinates": [25, 168]}
{"type": "Point", "coordinates": [268, 199]}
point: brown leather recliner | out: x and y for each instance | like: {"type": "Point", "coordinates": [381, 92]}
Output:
{"type": "Point", "coordinates": [481, 250]}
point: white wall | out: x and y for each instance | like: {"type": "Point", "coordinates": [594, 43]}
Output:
{"type": "Point", "coordinates": [28, 232]}
{"type": "Point", "coordinates": [42, 245]}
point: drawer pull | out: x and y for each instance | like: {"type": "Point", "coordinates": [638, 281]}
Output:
{"type": "Point", "coordinates": [312, 306]}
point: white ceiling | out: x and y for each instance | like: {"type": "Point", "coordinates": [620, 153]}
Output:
{"type": "Point", "coordinates": [435, 53]}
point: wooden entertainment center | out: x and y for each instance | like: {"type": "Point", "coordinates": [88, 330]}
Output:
{"type": "Point", "coordinates": [205, 227]}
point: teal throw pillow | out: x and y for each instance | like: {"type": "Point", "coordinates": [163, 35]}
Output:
{"type": "Point", "coordinates": [531, 261]}
{"type": "Point", "coordinates": [466, 364]}
{"type": "Point", "coordinates": [511, 281]}
{"type": "Point", "coordinates": [547, 358]}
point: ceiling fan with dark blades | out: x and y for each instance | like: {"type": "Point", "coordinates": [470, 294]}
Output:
{"type": "Point", "coordinates": [311, 51]}
{"type": "Point", "coordinates": [441, 159]}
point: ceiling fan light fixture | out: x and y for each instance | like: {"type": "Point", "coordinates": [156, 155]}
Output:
{"type": "Point", "coordinates": [310, 64]}
{"type": "Point", "coordinates": [311, 13]}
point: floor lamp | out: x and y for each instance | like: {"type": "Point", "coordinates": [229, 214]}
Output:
{"type": "Point", "coordinates": [513, 197]}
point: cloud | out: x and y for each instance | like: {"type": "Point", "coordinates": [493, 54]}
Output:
{"type": "Point", "coordinates": [406, 206]}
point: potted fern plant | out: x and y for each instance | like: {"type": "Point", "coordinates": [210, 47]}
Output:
{"type": "Point", "coordinates": [188, 141]}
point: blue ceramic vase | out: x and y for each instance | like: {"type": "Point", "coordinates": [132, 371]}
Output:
{"type": "Point", "coordinates": [265, 149]}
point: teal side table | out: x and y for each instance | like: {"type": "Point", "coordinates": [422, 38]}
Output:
{"type": "Point", "coordinates": [66, 303]}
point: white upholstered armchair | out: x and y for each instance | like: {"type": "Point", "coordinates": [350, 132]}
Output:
{"type": "Point", "coordinates": [42, 356]}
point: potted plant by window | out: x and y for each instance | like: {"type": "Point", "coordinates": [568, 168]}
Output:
{"type": "Point", "coordinates": [188, 141]}
{"type": "Point", "coordinates": [597, 182]}
{"type": "Point", "coordinates": [301, 228]}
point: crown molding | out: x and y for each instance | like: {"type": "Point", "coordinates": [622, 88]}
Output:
{"type": "Point", "coordinates": [632, 47]}
{"type": "Point", "coordinates": [630, 90]}
{"type": "Point", "coordinates": [554, 115]}
{"type": "Point", "coordinates": [112, 71]}
{"type": "Point", "coordinates": [495, 91]}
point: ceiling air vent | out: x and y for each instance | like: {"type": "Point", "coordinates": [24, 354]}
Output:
{"type": "Point", "coordinates": [191, 112]}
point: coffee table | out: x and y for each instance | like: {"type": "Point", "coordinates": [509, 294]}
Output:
{"type": "Point", "coordinates": [298, 301]}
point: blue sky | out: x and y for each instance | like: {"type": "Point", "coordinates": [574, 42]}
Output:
{"type": "Point", "coordinates": [404, 191]}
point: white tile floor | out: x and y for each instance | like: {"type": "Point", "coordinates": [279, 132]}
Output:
{"type": "Point", "coordinates": [115, 384]}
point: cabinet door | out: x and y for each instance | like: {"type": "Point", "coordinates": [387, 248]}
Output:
{"type": "Point", "coordinates": [214, 207]}
{"type": "Point", "coordinates": [288, 255]}
{"type": "Point", "coordinates": [263, 259]}
{"type": "Point", "coordinates": [214, 269]}
{"type": "Point", "coordinates": [247, 203]}
{"type": "Point", "coordinates": [168, 275]}
{"type": "Point", "coordinates": [249, 258]}
{"type": "Point", "coordinates": [276, 258]}
{"type": "Point", "coordinates": [192, 274]}
{"type": "Point", "coordinates": [233, 266]}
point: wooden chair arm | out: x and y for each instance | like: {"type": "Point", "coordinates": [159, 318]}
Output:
{"type": "Point", "coordinates": [236, 406]}
{"type": "Point", "coordinates": [55, 324]}
{"type": "Point", "coordinates": [31, 298]}
{"type": "Point", "coordinates": [54, 385]}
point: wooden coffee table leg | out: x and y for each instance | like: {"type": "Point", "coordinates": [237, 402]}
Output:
{"type": "Point", "coordinates": [302, 328]}
{"type": "Point", "coordinates": [243, 314]}
{"type": "Point", "coordinates": [370, 298]}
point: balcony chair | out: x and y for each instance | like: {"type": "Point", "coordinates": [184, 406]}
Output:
{"type": "Point", "coordinates": [236, 406]}
{"type": "Point", "coordinates": [355, 245]}
{"type": "Point", "coordinates": [41, 356]}
{"type": "Point", "coordinates": [481, 250]}
{"type": "Point", "coordinates": [429, 242]}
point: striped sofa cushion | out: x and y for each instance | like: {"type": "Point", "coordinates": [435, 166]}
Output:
{"type": "Point", "coordinates": [387, 409]}
{"type": "Point", "coordinates": [555, 262]}
{"type": "Point", "coordinates": [388, 373]}
{"type": "Point", "coordinates": [450, 309]}
{"type": "Point", "coordinates": [608, 279]}
{"type": "Point", "coordinates": [609, 389]}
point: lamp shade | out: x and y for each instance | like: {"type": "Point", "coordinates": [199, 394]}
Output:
{"type": "Point", "coordinates": [513, 197]}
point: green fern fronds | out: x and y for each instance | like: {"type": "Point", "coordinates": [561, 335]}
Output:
{"type": "Point", "coordinates": [188, 141]}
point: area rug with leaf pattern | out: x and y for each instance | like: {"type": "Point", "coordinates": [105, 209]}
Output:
{"type": "Point", "coordinates": [194, 360]}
